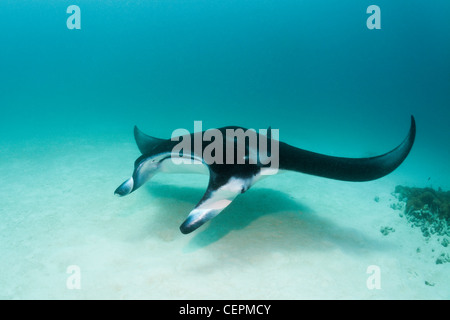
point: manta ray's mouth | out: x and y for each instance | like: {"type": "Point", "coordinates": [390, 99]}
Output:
{"type": "Point", "coordinates": [125, 188]}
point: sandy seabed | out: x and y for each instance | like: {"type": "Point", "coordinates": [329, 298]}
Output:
{"type": "Point", "coordinates": [291, 236]}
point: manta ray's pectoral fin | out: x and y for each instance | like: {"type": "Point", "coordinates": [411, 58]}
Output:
{"type": "Point", "coordinates": [145, 143]}
{"type": "Point", "coordinates": [216, 198]}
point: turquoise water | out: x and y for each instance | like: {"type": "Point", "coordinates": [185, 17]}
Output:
{"type": "Point", "coordinates": [70, 98]}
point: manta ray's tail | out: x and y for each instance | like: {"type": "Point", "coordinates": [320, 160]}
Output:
{"type": "Point", "coordinates": [347, 169]}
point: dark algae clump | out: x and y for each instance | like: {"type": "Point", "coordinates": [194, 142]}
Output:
{"type": "Point", "coordinates": [426, 206]}
{"type": "Point", "coordinates": [386, 230]}
{"type": "Point", "coordinates": [429, 210]}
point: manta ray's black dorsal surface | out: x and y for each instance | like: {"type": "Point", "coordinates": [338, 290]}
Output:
{"type": "Point", "coordinates": [228, 180]}
{"type": "Point", "coordinates": [347, 169]}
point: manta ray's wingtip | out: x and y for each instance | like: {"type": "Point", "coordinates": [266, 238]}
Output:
{"type": "Point", "coordinates": [185, 230]}
{"type": "Point", "coordinates": [145, 142]}
{"type": "Point", "coordinates": [136, 130]}
{"type": "Point", "coordinates": [192, 223]}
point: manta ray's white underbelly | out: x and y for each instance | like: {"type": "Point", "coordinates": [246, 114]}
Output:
{"type": "Point", "coordinates": [184, 165]}
{"type": "Point", "coordinates": [188, 165]}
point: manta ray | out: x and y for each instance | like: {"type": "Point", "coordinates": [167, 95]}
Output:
{"type": "Point", "coordinates": [228, 179]}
